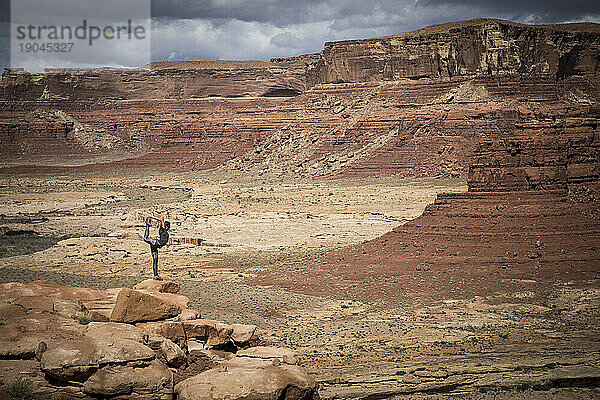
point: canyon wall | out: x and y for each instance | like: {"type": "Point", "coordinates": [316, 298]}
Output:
{"type": "Point", "coordinates": [467, 48]}
{"type": "Point", "coordinates": [413, 104]}
{"type": "Point", "coordinates": [516, 109]}
{"type": "Point", "coordinates": [163, 80]}
{"type": "Point", "coordinates": [528, 222]}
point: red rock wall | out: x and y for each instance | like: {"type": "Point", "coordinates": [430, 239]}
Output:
{"type": "Point", "coordinates": [417, 104]}
{"type": "Point", "coordinates": [532, 146]}
{"type": "Point", "coordinates": [464, 245]}
{"type": "Point", "coordinates": [159, 83]}
{"type": "Point", "coordinates": [24, 140]}
{"type": "Point", "coordinates": [468, 48]}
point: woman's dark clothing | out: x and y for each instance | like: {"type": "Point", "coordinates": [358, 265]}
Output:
{"type": "Point", "coordinates": [156, 244]}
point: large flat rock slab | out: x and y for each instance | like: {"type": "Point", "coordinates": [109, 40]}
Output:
{"type": "Point", "coordinates": [269, 353]}
{"type": "Point", "coordinates": [153, 381]}
{"type": "Point", "coordinates": [152, 285]}
{"type": "Point", "coordinates": [13, 290]}
{"type": "Point", "coordinates": [134, 306]}
{"type": "Point", "coordinates": [238, 383]}
{"type": "Point", "coordinates": [116, 331]}
{"type": "Point", "coordinates": [77, 358]}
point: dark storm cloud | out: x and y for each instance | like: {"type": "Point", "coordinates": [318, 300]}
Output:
{"type": "Point", "coordinates": [275, 12]}
{"type": "Point", "coordinates": [261, 29]}
{"type": "Point", "coordinates": [547, 11]}
{"type": "Point", "coordinates": [279, 13]}
{"type": "Point", "coordinates": [285, 12]}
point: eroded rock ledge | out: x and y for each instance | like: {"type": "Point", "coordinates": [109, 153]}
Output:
{"type": "Point", "coordinates": [78, 343]}
{"type": "Point", "coordinates": [412, 104]}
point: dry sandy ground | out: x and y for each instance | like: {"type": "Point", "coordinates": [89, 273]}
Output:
{"type": "Point", "coordinates": [529, 344]}
{"type": "Point", "coordinates": [100, 221]}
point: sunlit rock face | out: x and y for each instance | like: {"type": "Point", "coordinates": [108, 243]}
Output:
{"type": "Point", "coordinates": [412, 104]}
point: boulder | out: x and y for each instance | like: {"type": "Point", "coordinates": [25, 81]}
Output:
{"type": "Point", "coordinates": [266, 383]}
{"type": "Point", "coordinates": [215, 333]}
{"type": "Point", "coordinates": [152, 285]}
{"type": "Point", "coordinates": [116, 331]}
{"type": "Point", "coordinates": [154, 381]}
{"type": "Point", "coordinates": [168, 329]}
{"type": "Point", "coordinates": [134, 306]}
{"type": "Point", "coordinates": [172, 354]}
{"type": "Point", "coordinates": [188, 314]}
{"type": "Point", "coordinates": [242, 333]}
{"type": "Point", "coordinates": [73, 359]}
{"type": "Point", "coordinates": [177, 299]}
{"type": "Point", "coordinates": [220, 335]}
{"type": "Point", "coordinates": [284, 355]}
{"type": "Point", "coordinates": [199, 328]}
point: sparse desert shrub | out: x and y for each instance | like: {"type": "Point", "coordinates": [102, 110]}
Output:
{"type": "Point", "coordinates": [20, 389]}
{"type": "Point", "coordinates": [1, 321]}
{"type": "Point", "coordinates": [84, 319]}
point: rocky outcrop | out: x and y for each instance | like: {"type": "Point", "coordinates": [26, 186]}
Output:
{"type": "Point", "coordinates": [74, 360]}
{"type": "Point", "coordinates": [244, 378]}
{"type": "Point", "coordinates": [153, 381]}
{"type": "Point", "coordinates": [153, 285]}
{"type": "Point", "coordinates": [237, 383]}
{"type": "Point", "coordinates": [468, 48]}
{"type": "Point", "coordinates": [532, 147]}
{"type": "Point", "coordinates": [242, 334]}
{"type": "Point", "coordinates": [214, 333]}
{"type": "Point", "coordinates": [52, 342]}
{"type": "Point", "coordinates": [210, 333]}
{"type": "Point", "coordinates": [413, 104]}
{"type": "Point", "coordinates": [538, 156]}
{"type": "Point", "coordinates": [165, 80]}
{"type": "Point", "coordinates": [172, 354]}
{"type": "Point", "coordinates": [134, 306]}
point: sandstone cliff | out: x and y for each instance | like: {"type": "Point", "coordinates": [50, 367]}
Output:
{"type": "Point", "coordinates": [413, 104]}
{"type": "Point", "coordinates": [520, 116]}
{"type": "Point", "coordinates": [483, 46]}
{"type": "Point", "coordinates": [165, 80]}
{"type": "Point", "coordinates": [79, 343]}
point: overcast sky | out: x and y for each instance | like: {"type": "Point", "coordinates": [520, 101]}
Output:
{"type": "Point", "coordinates": [262, 29]}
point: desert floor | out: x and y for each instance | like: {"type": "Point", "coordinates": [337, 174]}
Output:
{"type": "Point", "coordinates": [541, 341]}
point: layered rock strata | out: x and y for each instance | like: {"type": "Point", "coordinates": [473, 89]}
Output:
{"type": "Point", "coordinates": [466, 48]}
{"type": "Point", "coordinates": [413, 104]}
{"type": "Point", "coordinates": [58, 342]}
